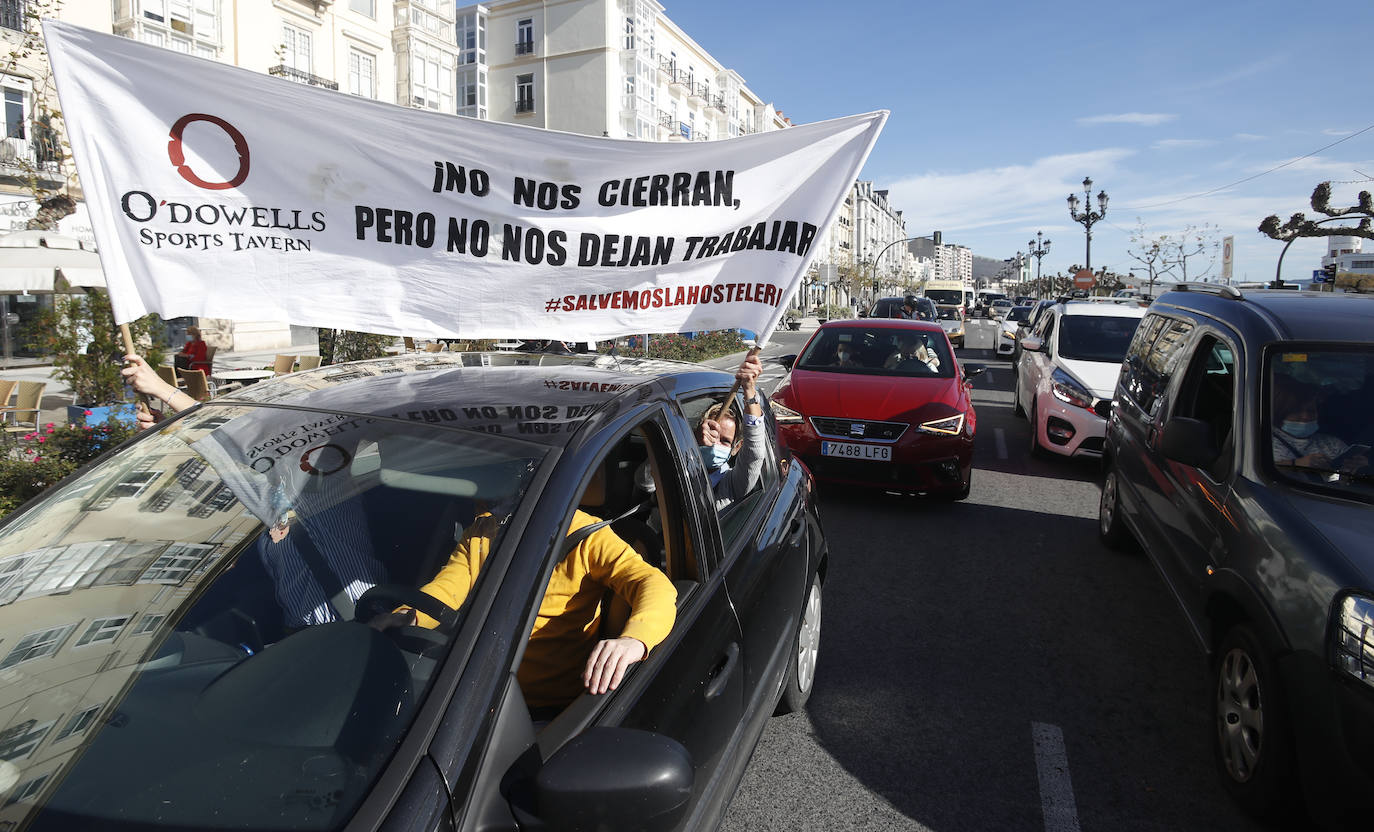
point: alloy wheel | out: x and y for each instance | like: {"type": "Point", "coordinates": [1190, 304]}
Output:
{"type": "Point", "coordinates": [809, 638]}
{"type": "Point", "coordinates": [1240, 715]}
{"type": "Point", "coordinates": [1106, 510]}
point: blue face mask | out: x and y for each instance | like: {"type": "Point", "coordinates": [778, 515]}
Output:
{"type": "Point", "coordinates": [714, 456]}
{"type": "Point", "coordinates": [1300, 430]}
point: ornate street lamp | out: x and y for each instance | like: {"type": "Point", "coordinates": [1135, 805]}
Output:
{"type": "Point", "coordinates": [1039, 247]}
{"type": "Point", "coordinates": [1088, 217]}
{"type": "Point", "coordinates": [873, 266]}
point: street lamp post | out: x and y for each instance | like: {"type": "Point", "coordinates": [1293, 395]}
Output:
{"type": "Point", "coordinates": [1088, 217]}
{"type": "Point", "coordinates": [873, 266]}
{"type": "Point", "coordinates": [1039, 247]}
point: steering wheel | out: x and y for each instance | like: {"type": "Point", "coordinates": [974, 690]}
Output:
{"type": "Point", "coordinates": [383, 598]}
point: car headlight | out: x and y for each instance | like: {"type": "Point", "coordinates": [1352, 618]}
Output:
{"type": "Point", "coordinates": [1011, 335]}
{"type": "Point", "coordinates": [785, 415]}
{"type": "Point", "coordinates": [1354, 637]}
{"type": "Point", "coordinates": [948, 426]}
{"type": "Point", "coordinates": [1068, 389]}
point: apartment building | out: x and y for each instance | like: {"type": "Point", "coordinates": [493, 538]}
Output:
{"type": "Point", "coordinates": [947, 260]}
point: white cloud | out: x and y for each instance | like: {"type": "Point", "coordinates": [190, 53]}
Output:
{"type": "Point", "coordinates": [1142, 119]}
{"type": "Point", "coordinates": [1016, 195]}
{"type": "Point", "coordinates": [1179, 144]}
{"type": "Point", "coordinates": [1331, 131]}
{"type": "Point", "coordinates": [1249, 137]}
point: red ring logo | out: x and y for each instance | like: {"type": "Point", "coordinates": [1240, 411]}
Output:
{"type": "Point", "coordinates": [344, 458]}
{"type": "Point", "coordinates": [178, 156]}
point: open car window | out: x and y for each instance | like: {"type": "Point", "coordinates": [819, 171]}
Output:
{"type": "Point", "coordinates": [178, 624]}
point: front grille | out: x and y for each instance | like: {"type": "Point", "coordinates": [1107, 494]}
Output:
{"type": "Point", "coordinates": [833, 428]}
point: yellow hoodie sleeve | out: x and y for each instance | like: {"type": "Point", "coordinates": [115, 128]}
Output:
{"type": "Point", "coordinates": [651, 596]}
{"type": "Point", "coordinates": [453, 583]}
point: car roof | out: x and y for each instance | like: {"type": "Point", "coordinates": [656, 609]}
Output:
{"type": "Point", "coordinates": [1298, 316]}
{"type": "Point", "coordinates": [886, 323]}
{"type": "Point", "coordinates": [495, 392]}
{"type": "Point", "coordinates": [1103, 310]}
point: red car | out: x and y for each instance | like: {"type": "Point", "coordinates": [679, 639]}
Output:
{"type": "Point", "coordinates": [881, 403]}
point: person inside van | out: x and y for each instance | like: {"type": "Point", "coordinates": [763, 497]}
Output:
{"type": "Point", "coordinates": [1297, 438]}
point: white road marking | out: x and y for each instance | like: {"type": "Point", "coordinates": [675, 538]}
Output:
{"type": "Point", "coordinates": [1001, 437]}
{"type": "Point", "coordinates": [987, 375]}
{"type": "Point", "coordinates": [1056, 787]}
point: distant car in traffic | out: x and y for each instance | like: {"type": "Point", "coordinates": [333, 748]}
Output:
{"type": "Point", "coordinates": [1067, 372]}
{"type": "Point", "coordinates": [1007, 331]}
{"type": "Point", "coordinates": [952, 322]}
{"type": "Point", "coordinates": [884, 404]}
{"type": "Point", "coordinates": [892, 308]}
{"type": "Point", "coordinates": [999, 308]}
{"type": "Point", "coordinates": [1239, 456]}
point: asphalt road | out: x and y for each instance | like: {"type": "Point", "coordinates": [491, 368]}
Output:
{"type": "Point", "coordinates": [989, 665]}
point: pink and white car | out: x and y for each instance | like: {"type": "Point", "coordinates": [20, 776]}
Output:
{"type": "Point", "coordinates": [1067, 373]}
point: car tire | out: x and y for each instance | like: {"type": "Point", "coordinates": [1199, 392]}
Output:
{"type": "Point", "coordinates": [1036, 450]}
{"type": "Point", "coordinates": [1110, 527]}
{"type": "Point", "coordinates": [1252, 737]}
{"type": "Point", "coordinates": [961, 494]}
{"type": "Point", "coordinates": [1016, 408]}
{"type": "Point", "coordinates": [801, 668]}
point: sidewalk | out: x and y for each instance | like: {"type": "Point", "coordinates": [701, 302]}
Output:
{"type": "Point", "coordinates": [56, 396]}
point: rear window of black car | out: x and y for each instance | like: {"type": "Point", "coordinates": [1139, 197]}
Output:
{"type": "Point", "coordinates": [1096, 337]}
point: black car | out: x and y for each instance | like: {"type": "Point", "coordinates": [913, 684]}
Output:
{"type": "Point", "coordinates": [892, 308]}
{"type": "Point", "coordinates": [1238, 455]}
{"type": "Point", "coordinates": [191, 634]}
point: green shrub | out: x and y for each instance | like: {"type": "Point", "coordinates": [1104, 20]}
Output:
{"type": "Point", "coordinates": [51, 453]}
{"type": "Point", "coordinates": [678, 347]}
{"type": "Point", "coordinates": [26, 476]}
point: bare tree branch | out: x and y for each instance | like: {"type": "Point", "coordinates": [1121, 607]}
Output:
{"type": "Point", "coordinates": [1299, 225]}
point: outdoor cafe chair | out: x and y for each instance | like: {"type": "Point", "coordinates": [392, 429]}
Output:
{"type": "Point", "coordinates": [196, 385]}
{"type": "Point", "coordinates": [434, 347]}
{"type": "Point", "coordinates": [169, 375]}
{"type": "Point", "coordinates": [308, 362]}
{"type": "Point", "coordinates": [27, 403]}
{"type": "Point", "coordinates": [6, 390]}
{"type": "Point", "coordinates": [283, 364]}
{"type": "Point", "coordinates": [409, 342]}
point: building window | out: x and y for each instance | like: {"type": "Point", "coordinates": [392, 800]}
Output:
{"type": "Point", "coordinates": [155, 10]}
{"type": "Point", "coordinates": [102, 630]}
{"type": "Point", "coordinates": [12, 14]}
{"type": "Point", "coordinates": [362, 74]}
{"type": "Point", "coordinates": [37, 645]}
{"type": "Point", "coordinates": [295, 45]}
{"type": "Point", "coordinates": [431, 82]}
{"type": "Point", "coordinates": [175, 564]}
{"type": "Point", "coordinates": [472, 39]}
{"type": "Point", "coordinates": [524, 37]}
{"type": "Point", "coordinates": [1362, 264]}
{"type": "Point", "coordinates": [27, 791]}
{"type": "Point", "coordinates": [80, 721]}
{"type": "Point", "coordinates": [472, 92]}
{"type": "Point", "coordinates": [630, 32]}
{"type": "Point", "coordinates": [20, 740]}
{"type": "Point", "coordinates": [148, 623]}
{"type": "Point", "coordinates": [524, 93]}
{"type": "Point", "coordinates": [14, 113]}
{"type": "Point", "coordinates": [366, 8]}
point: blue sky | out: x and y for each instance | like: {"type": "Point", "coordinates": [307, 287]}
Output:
{"type": "Point", "coordinates": [999, 109]}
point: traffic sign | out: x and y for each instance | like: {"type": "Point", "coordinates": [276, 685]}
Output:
{"type": "Point", "coordinates": [1083, 279]}
{"type": "Point", "coordinates": [1318, 276]}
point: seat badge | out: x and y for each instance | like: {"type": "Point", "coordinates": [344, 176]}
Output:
{"type": "Point", "coordinates": [856, 429]}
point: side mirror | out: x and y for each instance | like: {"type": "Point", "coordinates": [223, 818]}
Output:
{"type": "Point", "coordinates": [1189, 441]}
{"type": "Point", "coordinates": [863, 313]}
{"type": "Point", "coordinates": [787, 360]}
{"type": "Point", "coordinates": [615, 778]}
{"type": "Point", "coordinates": [1031, 343]}
{"type": "Point", "coordinates": [972, 370]}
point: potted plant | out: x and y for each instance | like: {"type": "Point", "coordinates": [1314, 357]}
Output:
{"type": "Point", "coordinates": [793, 317]}
{"type": "Point", "coordinates": [80, 334]}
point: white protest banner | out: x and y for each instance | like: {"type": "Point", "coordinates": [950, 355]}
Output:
{"type": "Point", "coordinates": [220, 192]}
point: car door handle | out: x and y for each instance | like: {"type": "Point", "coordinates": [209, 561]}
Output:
{"type": "Point", "coordinates": [720, 674]}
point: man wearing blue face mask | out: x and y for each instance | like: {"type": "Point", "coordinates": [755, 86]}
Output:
{"type": "Point", "coordinates": [721, 437]}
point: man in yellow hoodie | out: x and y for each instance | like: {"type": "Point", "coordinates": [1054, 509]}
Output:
{"type": "Point", "coordinates": [565, 639]}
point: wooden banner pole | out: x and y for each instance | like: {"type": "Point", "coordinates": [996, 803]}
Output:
{"type": "Point", "coordinates": [730, 399]}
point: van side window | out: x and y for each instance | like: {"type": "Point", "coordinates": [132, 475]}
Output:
{"type": "Point", "coordinates": [1152, 359]}
{"type": "Point", "coordinates": [1208, 393]}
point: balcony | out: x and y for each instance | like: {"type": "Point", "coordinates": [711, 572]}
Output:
{"type": "Point", "coordinates": [666, 119]}
{"type": "Point", "coordinates": [681, 78]}
{"type": "Point", "coordinates": [668, 67]}
{"type": "Point", "coordinates": [524, 47]}
{"type": "Point", "coordinates": [18, 160]}
{"type": "Point", "coordinates": [699, 91]}
{"type": "Point", "coordinates": [718, 103]}
{"type": "Point", "coordinates": [302, 77]}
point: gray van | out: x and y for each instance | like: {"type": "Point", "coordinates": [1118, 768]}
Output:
{"type": "Point", "coordinates": [1238, 456]}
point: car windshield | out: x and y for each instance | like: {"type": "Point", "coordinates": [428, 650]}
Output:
{"type": "Point", "coordinates": [1096, 337]}
{"type": "Point", "coordinates": [951, 313]}
{"type": "Point", "coordinates": [1019, 314]}
{"type": "Point", "coordinates": [945, 296]}
{"type": "Point", "coordinates": [878, 351]}
{"type": "Point", "coordinates": [1319, 402]}
{"type": "Point", "coordinates": [182, 632]}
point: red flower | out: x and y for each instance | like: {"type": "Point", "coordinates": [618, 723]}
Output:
{"type": "Point", "coordinates": [42, 439]}
{"type": "Point", "coordinates": [90, 413]}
